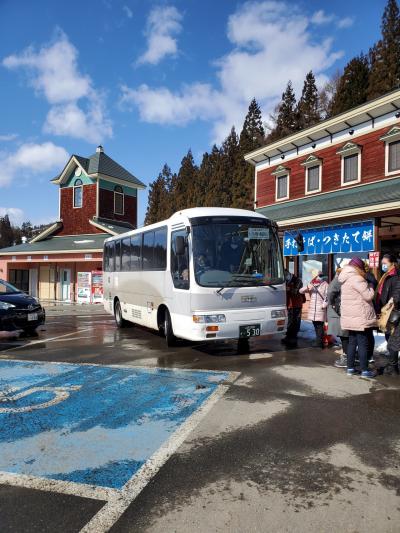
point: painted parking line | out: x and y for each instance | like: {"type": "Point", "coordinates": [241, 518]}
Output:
{"type": "Point", "coordinates": [97, 431]}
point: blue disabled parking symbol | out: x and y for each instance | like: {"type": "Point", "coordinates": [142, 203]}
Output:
{"type": "Point", "coordinates": [92, 424]}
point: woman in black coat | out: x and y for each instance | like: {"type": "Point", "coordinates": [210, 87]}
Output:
{"type": "Point", "coordinates": [394, 339]}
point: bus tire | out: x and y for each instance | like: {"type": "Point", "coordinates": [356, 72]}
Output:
{"type": "Point", "coordinates": [119, 320]}
{"type": "Point", "coordinates": [168, 331]}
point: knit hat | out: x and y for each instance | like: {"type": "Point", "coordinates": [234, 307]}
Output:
{"type": "Point", "coordinates": [357, 262]}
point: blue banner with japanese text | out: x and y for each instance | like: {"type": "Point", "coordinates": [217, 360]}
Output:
{"type": "Point", "coordinates": [356, 237]}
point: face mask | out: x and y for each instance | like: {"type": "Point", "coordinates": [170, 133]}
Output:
{"type": "Point", "coordinates": [288, 277]}
{"type": "Point", "coordinates": [234, 245]}
{"type": "Point", "coordinates": [385, 267]}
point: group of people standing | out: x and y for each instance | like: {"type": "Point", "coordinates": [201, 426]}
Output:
{"type": "Point", "coordinates": [350, 304]}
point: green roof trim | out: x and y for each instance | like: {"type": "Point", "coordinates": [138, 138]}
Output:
{"type": "Point", "coordinates": [376, 193]}
{"type": "Point", "coordinates": [90, 242]}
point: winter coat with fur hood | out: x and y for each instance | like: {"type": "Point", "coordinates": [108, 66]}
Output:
{"type": "Point", "coordinates": [357, 310]}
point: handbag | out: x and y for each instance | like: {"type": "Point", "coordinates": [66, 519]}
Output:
{"type": "Point", "coordinates": [383, 318]}
{"type": "Point", "coordinates": [394, 318]}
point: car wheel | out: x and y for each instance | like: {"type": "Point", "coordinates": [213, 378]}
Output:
{"type": "Point", "coordinates": [168, 331]}
{"type": "Point", "coordinates": [119, 320]}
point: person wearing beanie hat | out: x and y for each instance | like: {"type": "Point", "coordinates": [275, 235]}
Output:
{"type": "Point", "coordinates": [357, 262]}
{"type": "Point", "coordinates": [357, 314]}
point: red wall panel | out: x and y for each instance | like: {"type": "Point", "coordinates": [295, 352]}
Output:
{"type": "Point", "coordinates": [372, 169]}
{"type": "Point", "coordinates": [76, 220]}
{"type": "Point", "coordinates": [106, 207]}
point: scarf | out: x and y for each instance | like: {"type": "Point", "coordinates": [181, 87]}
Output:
{"type": "Point", "coordinates": [379, 288]}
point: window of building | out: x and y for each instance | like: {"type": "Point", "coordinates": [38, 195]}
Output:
{"type": "Point", "coordinates": [179, 263]}
{"type": "Point", "coordinates": [20, 279]}
{"type": "Point", "coordinates": [119, 200]}
{"type": "Point", "coordinates": [282, 187]}
{"type": "Point", "coordinates": [78, 193]}
{"type": "Point", "coordinates": [393, 156]}
{"type": "Point", "coordinates": [351, 163]}
{"type": "Point", "coordinates": [281, 174]}
{"type": "Point", "coordinates": [313, 179]}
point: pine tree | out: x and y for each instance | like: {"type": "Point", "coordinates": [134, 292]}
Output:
{"type": "Point", "coordinates": [308, 107]}
{"type": "Point", "coordinates": [352, 87]}
{"type": "Point", "coordinates": [385, 55]}
{"type": "Point", "coordinates": [26, 230]}
{"type": "Point", "coordinates": [158, 198]}
{"type": "Point", "coordinates": [253, 133]}
{"type": "Point", "coordinates": [207, 177]}
{"type": "Point", "coordinates": [221, 189]}
{"type": "Point", "coordinates": [251, 137]}
{"type": "Point", "coordinates": [7, 234]}
{"type": "Point", "coordinates": [286, 120]}
{"type": "Point", "coordinates": [184, 190]}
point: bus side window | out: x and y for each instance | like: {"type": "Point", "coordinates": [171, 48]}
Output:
{"type": "Point", "coordinates": [117, 262]}
{"type": "Point", "coordinates": [179, 263]}
{"type": "Point", "coordinates": [136, 252]}
{"type": "Point", "coordinates": [148, 250]}
{"type": "Point", "coordinates": [126, 254]}
{"type": "Point", "coordinates": [106, 257]}
{"type": "Point", "coordinates": [160, 249]}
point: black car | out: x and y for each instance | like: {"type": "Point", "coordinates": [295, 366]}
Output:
{"type": "Point", "coordinates": [18, 310]}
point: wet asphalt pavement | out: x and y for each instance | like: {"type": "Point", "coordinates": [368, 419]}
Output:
{"type": "Point", "coordinates": [293, 444]}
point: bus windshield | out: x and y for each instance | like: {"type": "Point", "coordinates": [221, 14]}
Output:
{"type": "Point", "coordinates": [229, 253]}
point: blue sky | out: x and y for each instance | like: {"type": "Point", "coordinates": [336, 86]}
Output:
{"type": "Point", "coordinates": [150, 79]}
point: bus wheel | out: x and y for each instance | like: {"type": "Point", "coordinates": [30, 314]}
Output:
{"type": "Point", "coordinates": [119, 320]}
{"type": "Point", "coordinates": [168, 331]}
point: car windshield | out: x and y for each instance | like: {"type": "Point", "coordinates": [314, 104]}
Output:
{"type": "Point", "coordinates": [7, 288]}
{"type": "Point", "coordinates": [235, 253]}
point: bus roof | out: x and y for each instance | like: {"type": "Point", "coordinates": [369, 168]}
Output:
{"type": "Point", "coordinates": [193, 212]}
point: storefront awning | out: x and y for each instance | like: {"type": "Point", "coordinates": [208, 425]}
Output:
{"type": "Point", "coordinates": [357, 201]}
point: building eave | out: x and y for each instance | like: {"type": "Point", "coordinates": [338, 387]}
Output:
{"type": "Point", "coordinates": [117, 181]}
{"type": "Point", "coordinates": [347, 120]}
{"type": "Point", "coordinates": [47, 232]}
{"type": "Point", "coordinates": [64, 174]}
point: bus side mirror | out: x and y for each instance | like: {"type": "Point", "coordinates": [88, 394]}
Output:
{"type": "Point", "coordinates": [180, 245]}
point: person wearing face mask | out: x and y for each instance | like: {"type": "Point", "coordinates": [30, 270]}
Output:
{"type": "Point", "coordinates": [294, 302]}
{"type": "Point", "coordinates": [383, 294]}
{"type": "Point", "coordinates": [317, 289]}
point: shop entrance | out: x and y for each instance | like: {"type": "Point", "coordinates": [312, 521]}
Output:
{"type": "Point", "coordinates": [66, 285]}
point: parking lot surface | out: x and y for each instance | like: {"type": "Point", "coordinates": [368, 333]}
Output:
{"type": "Point", "coordinates": [106, 429]}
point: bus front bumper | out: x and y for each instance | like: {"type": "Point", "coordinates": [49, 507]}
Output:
{"type": "Point", "coordinates": [237, 324]}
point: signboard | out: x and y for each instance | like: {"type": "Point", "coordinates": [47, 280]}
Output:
{"type": "Point", "coordinates": [356, 237]}
{"type": "Point", "coordinates": [374, 259]}
{"type": "Point", "coordinates": [83, 287]}
{"type": "Point", "coordinates": [97, 287]}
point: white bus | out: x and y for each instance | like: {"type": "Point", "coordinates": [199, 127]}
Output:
{"type": "Point", "coordinates": [203, 274]}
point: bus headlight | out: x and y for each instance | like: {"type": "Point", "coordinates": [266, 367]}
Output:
{"type": "Point", "coordinates": [278, 313]}
{"type": "Point", "coordinates": [208, 319]}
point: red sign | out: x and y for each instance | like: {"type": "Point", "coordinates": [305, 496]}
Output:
{"type": "Point", "coordinates": [374, 259]}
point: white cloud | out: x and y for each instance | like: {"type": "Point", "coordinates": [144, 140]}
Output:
{"type": "Point", "coordinates": [15, 214]}
{"type": "Point", "coordinates": [128, 11]}
{"type": "Point", "coordinates": [266, 38]}
{"type": "Point", "coordinates": [53, 72]}
{"type": "Point", "coordinates": [320, 17]}
{"type": "Point", "coordinates": [30, 159]}
{"type": "Point", "coordinates": [346, 22]}
{"type": "Point", "coordinates": [8, 137]}
{"type": "Point", "coordinates": [163, 24]}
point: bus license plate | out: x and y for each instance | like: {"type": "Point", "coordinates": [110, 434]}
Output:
{"type": "Point", "coordinates": [252, 330]}
{"type": "Point", "coordinates": [32, 316]}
